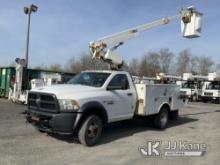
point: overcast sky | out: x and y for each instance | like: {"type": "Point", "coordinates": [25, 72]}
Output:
{"type": "Point", "coordinates": [61, 29]}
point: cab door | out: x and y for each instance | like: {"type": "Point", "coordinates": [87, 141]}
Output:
{"type": "Point", "coordinates": [121, 99]}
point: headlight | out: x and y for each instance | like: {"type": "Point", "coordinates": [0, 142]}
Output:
{"type": "Point", "coordinates": [68, 105]}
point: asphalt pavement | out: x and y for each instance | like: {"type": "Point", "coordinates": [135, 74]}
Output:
{"type": "Point", "coordinates": [22, 144]}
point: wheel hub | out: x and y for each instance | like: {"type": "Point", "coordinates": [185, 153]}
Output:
{"type": "Point", "coordinates": [163, 118]}
{"type": "Point", "coordinates": [92, 130]}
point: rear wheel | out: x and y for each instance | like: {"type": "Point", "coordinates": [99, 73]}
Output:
{"type": "Point", "coordinates": [218, 100]}
{"type": "Point", "coordinates": [161, 119]}
{"type": "Point", "coordinates": [90, 130]}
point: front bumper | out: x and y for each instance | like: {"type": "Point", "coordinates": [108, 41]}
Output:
{"type": "Point", "coordinates": [59, 123]}
{"type": "Point", "coordinates": [210, 98]}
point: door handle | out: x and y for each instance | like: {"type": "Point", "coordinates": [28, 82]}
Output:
{"type": "Point", "coordinates": [129, 94]}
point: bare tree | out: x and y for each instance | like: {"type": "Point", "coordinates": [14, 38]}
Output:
{"type": "Point", "coordinates": [218, 67]}
{"type": "Point", "coordinates": [205, 65]}
{"type": "Point", "coordinates": [183, 62]}
{"type": "Point", "coordinates": [133, 67]}
{"type": "Point", "coordinates": [13, 63]}
{"type": "Point", "coordinates": [73, 66]}
{"type": "Point", "coordinates": [143, 66]}
{"type": "Point", "coordinates": [55, 67]}
{"type": "Point", "coordinates": [85, 63]}
{"type": "Point", "coordinates": [91, 64]}
{"type": "Point", "coordinates": [41, 67]}
{"type": "Point", "coordinates": [194, 61]}
{"type": "Point", "coordinates": [166, 58]}
{"type": "Point", "coordinates": [150, 64]}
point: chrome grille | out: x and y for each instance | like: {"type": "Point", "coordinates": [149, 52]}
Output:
{"type": "Point", "coordinates": [42, 102]}
{"type": "Point", "coordinates": [208, 93]}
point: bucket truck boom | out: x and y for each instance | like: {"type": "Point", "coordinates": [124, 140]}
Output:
{"type": "Point", "coordinates": [104, 48]}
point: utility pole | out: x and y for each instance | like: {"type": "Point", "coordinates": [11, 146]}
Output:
{"type": "Point", "coordinates": [28, 11]}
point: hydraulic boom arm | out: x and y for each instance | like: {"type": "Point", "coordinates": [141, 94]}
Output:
{"type": "Point", "coordinates": [104, 48]}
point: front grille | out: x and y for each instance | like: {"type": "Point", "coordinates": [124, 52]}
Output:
{"type": "Point", "coordinates": [208, 93]}
{"type": "Point", "coordinates": [183, 92]}
{"type": "Point", "coordinates": [42, 102]}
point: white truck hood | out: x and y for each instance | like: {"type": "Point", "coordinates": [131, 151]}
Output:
{"type": "Point", "coordinates": [67, 90]}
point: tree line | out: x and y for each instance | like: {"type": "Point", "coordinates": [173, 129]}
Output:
{"type": "Point", "coordinates": [148, 64]}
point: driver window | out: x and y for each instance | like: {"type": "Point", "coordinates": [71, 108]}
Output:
{"type": "Point", "coordinates": [121, 81]}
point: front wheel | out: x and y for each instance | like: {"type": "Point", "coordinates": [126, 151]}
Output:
{"type": "Point", "coordinates": [161, 119]}
{"type": "Point", "coordinates": [90, 130]}
{"type": "Point", "coordinates": [194, 98]}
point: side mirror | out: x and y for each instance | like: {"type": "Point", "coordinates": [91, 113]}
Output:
{"type": "Point", "coordinates": [110, 88]}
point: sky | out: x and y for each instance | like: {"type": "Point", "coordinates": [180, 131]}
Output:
{"type": "Point", "coordinates": [62, 29]}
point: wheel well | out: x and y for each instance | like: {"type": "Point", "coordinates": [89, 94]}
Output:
{"type": "Point", "coordinates": [94, 111]}
{"type": "Point", "coordinates": [166, 106]}
{"type": "Point", "coordinates": [97, 111]}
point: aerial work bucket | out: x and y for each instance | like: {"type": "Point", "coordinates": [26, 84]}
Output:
{"type": "Point", "coordinates": [191, 26]}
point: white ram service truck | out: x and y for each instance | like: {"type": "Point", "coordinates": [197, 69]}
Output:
{"type": "Point", "coordinates": [93, 99]}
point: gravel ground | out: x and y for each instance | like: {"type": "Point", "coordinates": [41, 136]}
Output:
{"type": "Point", "coordinates": [22, 144]}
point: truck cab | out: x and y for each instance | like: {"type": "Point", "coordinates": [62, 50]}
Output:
{"type": "Point", "coordinates": [191, 90]}
{"type": "Point", "coordinates": [212, 88]}
{"type": "Point", "coordinates": [192, 86]}
{"type": "Point", "coordinates": [212, 92]}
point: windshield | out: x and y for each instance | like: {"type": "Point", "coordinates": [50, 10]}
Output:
{"type": "Point", "coordinates": [189, 85]}
{"type": "Point", "coordinates": [214, 86]}
{"type": "Point", "coordinates": [94, 79]}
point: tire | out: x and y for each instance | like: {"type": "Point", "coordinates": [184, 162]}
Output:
{"type": "Point", "coordinates": [40, 130]}
{"type": "Point", "coordinates": [161, 119]}
{"type": "Point", "coordinates": [217, 100]}
{"type": "Point", "coordinates": [204, 101]}
{"type": "Point", "coordinates": [194, 98]}
{"type": "Point", "coordinates": [90, 131]}
{"type": "Point", "coordinates": [174, 115]}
